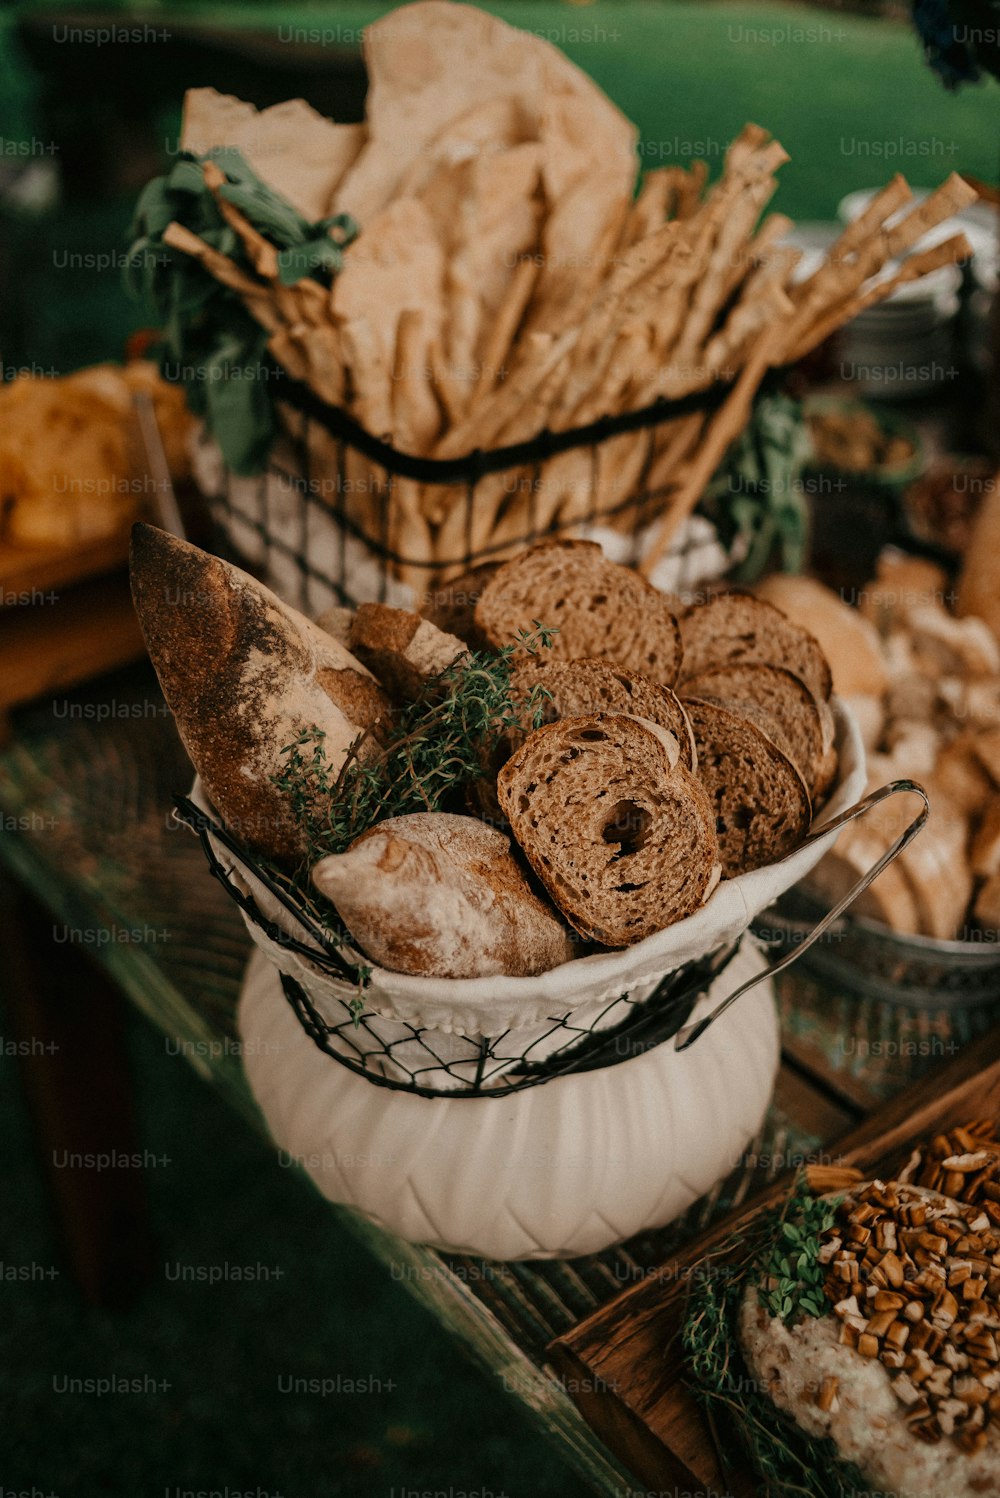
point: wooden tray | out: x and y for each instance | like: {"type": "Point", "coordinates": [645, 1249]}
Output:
{"type": "Point", "coordinates": [614, 1364]}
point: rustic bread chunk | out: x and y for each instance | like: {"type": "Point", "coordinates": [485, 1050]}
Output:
{"type": "Point", "coordinates": [618, 831]}
{"type": "Point", "coordinates": [787, 701]}
{"type": "Point", "coordinates": [337, 621]}
{"type": "Point", "coordinates": [442, 896]}
{"type": "Point", "coordinates": [598, 607]}
{"type": "Point", "coordinates": [403, 650]}
{"type": "Point", "coordinates": [759, 799]}
{"type": "Point", "coordinates": [574, 688]}
{"type": "Point", "coordinates": [736, 627]}
{"type": "Point", "coordinates": [452, 607]}
{"type": "Point", "coordinates": [244, 675]}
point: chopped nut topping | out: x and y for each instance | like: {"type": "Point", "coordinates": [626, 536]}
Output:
{"type": "Point", "coordinates": [912, 1271]}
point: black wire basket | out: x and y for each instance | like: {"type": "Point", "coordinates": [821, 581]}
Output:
{"type": "Point", "coordinates": [340, 517]}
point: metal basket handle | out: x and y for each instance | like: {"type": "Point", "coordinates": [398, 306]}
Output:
{"type": "Point", "coordinates": [690, 1033]}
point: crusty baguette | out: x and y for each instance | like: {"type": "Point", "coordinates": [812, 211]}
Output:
{"type": "Point", "coordinates": [618, 831]}
{"type": "Point", "coordinates": [788, 701]}
{"type": "Point", "coordinates": [759, 799]}
{"type": "Point", "coordinates": [599, 608]}
{"type": "Point", "coordinates": [403, 650]}
{"type": "Point", "coordinates": [442, 896]}
{"type": "Point", "coordinates": [244, 675]}
{"type": "Point", "coordinates": [736, 627]}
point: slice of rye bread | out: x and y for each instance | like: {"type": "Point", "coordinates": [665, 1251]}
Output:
{"type": "Point", "coordinates": [244, 675]}
{"type": "Point", "coordinates": [452, 606]}
{"type": "Point", "coordinates": [618, 831]}
{"type": "Point", "coordinates": [787, 700]}
{"type": "Point", "coordinates": [570, 689]}
{"type": "Point", "coordinates": [443, 896]}
{"type": "Point", "coordinates": [599, 608]}
{"type": "Point", "coordinates": [403, 650]}
{"type": "Point", "coordinates": [734, 627]}
{"type": "Point", "coordinates": [759, 798]}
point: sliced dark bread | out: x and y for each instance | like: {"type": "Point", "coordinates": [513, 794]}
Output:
{"type": "Point", "coordinates": [618, 831]}
{"type": "Point", "coordinates": [570, 689]}
{"type": "Point", "coordinates": [736, 627]}
{"type": "Point", "coordinates": [759, 798]}
{"type": "Point", "coordinates": [598, 608]}
{"type": "Point", "coordinates": [787, 701]}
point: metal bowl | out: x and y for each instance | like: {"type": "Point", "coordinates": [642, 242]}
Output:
{"type": "Point", "coordinates": [866, 958]}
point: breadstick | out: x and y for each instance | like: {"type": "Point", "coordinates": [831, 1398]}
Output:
{"type": "Point", "coordinates": [722, 429]}
{"type": "Point", "coordinates": [254, 293]}
{"type": "Point", "coordinates": [947, 253]}
{"type": "Point", "coordinates": [504, 327]}
{"type": "Point", "coordinates": [482, 427]}
{"type": "Point", "coordinates": [415, 410]}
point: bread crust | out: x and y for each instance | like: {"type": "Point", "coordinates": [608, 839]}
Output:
{"type": "Point", "coordinates": [442, 896]}
{"type": "Point", "coordinates": [403, 650]}
{"type": "Point", "coordinates": [244, 674]}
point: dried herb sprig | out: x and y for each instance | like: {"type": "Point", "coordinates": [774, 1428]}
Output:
{"type": "Point", "coordinates": [791, 1463]}
{"type": "Point", "coordinates": [438, 744]}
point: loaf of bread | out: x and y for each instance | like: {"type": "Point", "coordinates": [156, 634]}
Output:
{"type": "Point", "coordinates": [759, 799]}
{"type": "Point", "coordinates": [244, 675]}
{"type": "Point", "coordinates": [443, 897]}
{"type": "Point", "coordinates": [805, 725]}
{"type": "Point", "coordinates": [619, 832]}
{"type": "Point", "coordinates": [402, 650]}
{"type": "Point", "coordinates": [599, 608]}
{"type": "Point", "coordinates": [732, 628]}
{"type": "Point", "coordinates": [979, 584]}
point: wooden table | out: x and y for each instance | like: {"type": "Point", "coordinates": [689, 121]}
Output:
{"type": "Point", "coordinates": [107, 895]}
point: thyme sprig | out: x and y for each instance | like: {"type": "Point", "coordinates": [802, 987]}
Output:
{"type": "Point", "coordinates": [791, 1463]}
{"type": "Point", "coordinates": [437, 744]}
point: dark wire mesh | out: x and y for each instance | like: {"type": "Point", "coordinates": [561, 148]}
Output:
{"type": "Point", "coordinates": [477, 1065]}
{"type": "Point", "coordinates": [322, 524]}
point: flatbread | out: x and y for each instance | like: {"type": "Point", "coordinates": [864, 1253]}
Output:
{"type": "Point", "coordinates": [290, 146]}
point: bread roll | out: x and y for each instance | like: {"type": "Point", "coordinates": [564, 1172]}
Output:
{"type": "Point", "coordinates": [735, 628]}
{"type": "Point", "coordinates": [401, 649]}
{"type": "Point", "coordinates": [936, 868]}
{"type": "Point", "coordinates": [986, 909]}
{"type": "Point", "coordinates": [599, 608]}
{"type": "Point", "coordinates": [759, 799]}
{"type": "Point", "coordinates": [806, 735]}
{"type": "Point", "coordinates": [442, 896]}
{"type": "Point", "coordinates": [985, 855]}
{"type": "Point", "coordinates": [848, 641]}
{"type": "Point", "coordinates": [452, 607]}
{"type": "Point", "coordinates": [889, 900]}
{"type": "Point", "coordinates": [618, 831]}
{"type": "Point", "coordinates": [244, 675]}
{"type": "Point", "coordinates": [979, 583]}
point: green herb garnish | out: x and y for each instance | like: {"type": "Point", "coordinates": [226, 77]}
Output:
{"type": "Point", "coordinates": [211, 343]}
{"type": "Point", "coordinates": [438, 744]}
{"type": "Point", "coordinates": [792, 1276]}
{"type": "Point", "coordinates": [791, 1463]}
